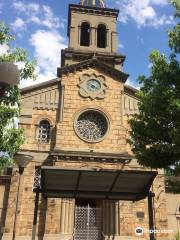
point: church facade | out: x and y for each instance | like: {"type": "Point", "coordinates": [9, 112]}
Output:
{"type": "Point", "coordinates": [83, 181]}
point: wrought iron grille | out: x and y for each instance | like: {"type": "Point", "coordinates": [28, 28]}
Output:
{"type": "Point", "coordinates": [44, 132]}
{"type": "Point", "coordinates": [88, 223]}
{"type": "Point", "coordinates": [37, 179]}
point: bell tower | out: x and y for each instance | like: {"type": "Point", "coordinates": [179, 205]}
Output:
{"type": "Point", "coordinates": [92, 32]}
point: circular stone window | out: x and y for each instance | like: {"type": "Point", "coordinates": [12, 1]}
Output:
{"type": "Point", "coordinates": [91, 125]}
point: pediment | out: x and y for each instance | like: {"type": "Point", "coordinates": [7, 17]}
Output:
{"type": "Point", "coordinates": [93, 63]}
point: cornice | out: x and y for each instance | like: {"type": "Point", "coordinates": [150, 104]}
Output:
{"type": "Point", "coordinates": [93, 62]}
{"type": "Point", "coordinates": [69, 53]}
{"type": "Point", "coordinates": [92, 156]}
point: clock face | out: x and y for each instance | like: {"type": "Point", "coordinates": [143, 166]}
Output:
{"type": "Point", "coordinates": [93, 85]}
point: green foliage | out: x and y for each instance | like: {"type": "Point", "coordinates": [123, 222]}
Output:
{"type": "Point", "coordinates": [155, 134]}
{"type": "Point", "coordinates": [12, 138]}
{"type": "Point", "coordinates": [5, 34]}
{"type": "Point", "coordinates": [174, 34]}
{"type": "Point", "coordinates": [177, 236]}
{"type": "Point", "coordinates": [172, 185]}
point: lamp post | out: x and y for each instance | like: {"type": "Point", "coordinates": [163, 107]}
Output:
{"type": "Point", "coordinates": [22, 161]}
{"type": "Point", "coordinates": [9, 76]}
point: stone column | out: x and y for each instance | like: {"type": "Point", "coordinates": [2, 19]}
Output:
{"type": "Point", "coordinates": [114, 41]}
{"type": "Point", "coordinates": [117, 219]}
{"type": "Point", "coordinates": [72, 37]}
{"type": "Point", "coordinates": [67, 216]}
{"type": "Point", "coordinates": [93, 38]}
{"type": "Point", "coordinates": [108, 40]}
{"type": "Point", "coordinates": [79, 37]}
{"type": "Point", "coordinates": [62, 221]}
{"type": "Point", "coordinates": [107, 218]}
{"type": "Point", "coordinates": [112, 217]}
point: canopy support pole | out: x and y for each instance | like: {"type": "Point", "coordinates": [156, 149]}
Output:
{"type": "Point", "coordinates": [151, 215]}
{"type": "Point", "coordinates": [35, 214]}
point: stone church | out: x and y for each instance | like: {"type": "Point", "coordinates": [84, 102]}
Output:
{"type": "Point", "coordinates": [83, 182]}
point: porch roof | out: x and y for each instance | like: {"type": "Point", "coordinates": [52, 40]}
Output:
{"type": "Point", "coordinates": [127, 185]}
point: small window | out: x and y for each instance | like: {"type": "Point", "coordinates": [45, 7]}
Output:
{"type": "Point", "coordinates": [85, 34]}
{"type": "Point", "coordinates": [44, 131]}
{"type": "Point", "coordinates": [101, 36]}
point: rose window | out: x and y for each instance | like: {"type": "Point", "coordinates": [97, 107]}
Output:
{"type": "Point", "coordinates": [91, 126]}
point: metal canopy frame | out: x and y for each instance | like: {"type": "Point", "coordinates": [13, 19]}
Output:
{"type": "Point", "coordinates": [125, 185]}
{"type": "Point", "coordinates": [55, 182]}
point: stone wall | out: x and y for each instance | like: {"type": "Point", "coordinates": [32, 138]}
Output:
{"type": "Point", "coordinates": [173, 213]}
{"type": "Point", "coordinates": [111, 105]}
{"type": "Point", "coordinates": [56, 216]}
{"type": "Point", "coordinates": [78, 17]}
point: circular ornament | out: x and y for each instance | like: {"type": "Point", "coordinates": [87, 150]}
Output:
{"type": "Point", "coordinates": [91, 126]}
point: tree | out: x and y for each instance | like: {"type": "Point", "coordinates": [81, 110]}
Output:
{"type": "Point", "coordinates": [155, 131]}
{"type": "Point", "coordinates": [12, 138]}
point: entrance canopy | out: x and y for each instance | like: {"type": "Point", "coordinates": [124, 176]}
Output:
{"type": "Point", "coordinates": [96, 184]}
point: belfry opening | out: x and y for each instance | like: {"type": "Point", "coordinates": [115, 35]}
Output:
{"type": "Point", "coordinates": [85, 34]}
{"type": "Point", "coordinates": [101, 36]}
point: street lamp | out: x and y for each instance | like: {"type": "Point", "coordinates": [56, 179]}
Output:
{"type": "Point", "coordinates": [9, 76]}
{"type": "Point", "coordinates": [22, 161]}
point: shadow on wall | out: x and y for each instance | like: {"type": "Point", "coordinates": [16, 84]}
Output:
{"type": "Point", "coordinates": [3, 207]}
{"type": "Point", "coordinates": [42, 218]}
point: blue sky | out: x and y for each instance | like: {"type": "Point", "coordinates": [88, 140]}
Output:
{"type": "Point", "coordinates": [40, 27]}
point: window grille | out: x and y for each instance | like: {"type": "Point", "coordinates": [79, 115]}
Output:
{"type": "Point", "coordinates": [37, 179]}
{"type": "Point", "coordinates": [44, 131]}
{"type": "Point", "coordinates": [88, 223]}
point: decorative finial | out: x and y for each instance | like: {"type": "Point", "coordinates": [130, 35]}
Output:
{"type": "Point", "coordinates": [93, 3]}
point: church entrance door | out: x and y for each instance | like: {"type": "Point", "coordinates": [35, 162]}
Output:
{"type": "Point", "coordinates": [88, 221]}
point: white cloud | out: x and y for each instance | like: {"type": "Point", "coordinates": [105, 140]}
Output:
{"type": "Point", "coordinates": [42, 15]}
{"type": "Point", "coordinates": [143, 12]}
{"type": "Point", "coordinates": [150, 65]}
{"type": "Point", "coordinates": [3, 49]}
{"type": "Point", "coordinates": [132, 83]}
{"type": "Point", "coordinates": [19, 25]}
{"type": "Point", "coordinates": [27, 8]}
{"type": "Point", "coordinates": [47, 45]}
{"type": "Point", "coordinates": [42, 77]}
{"type": "Point", "coordinates": [120, 46]}
{"type": "Point", "coordinates": [47, 50]}
{"type": "Point", "coordinates": [140, 40]}
{"type": "Point", "coordinates": [159, 2]}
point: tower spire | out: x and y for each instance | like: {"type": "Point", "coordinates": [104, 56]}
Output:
{"type": "Point", "coordinates": [93, 3]}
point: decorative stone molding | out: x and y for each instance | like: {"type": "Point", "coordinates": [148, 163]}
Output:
{"type": "Point", "coordinates": [124, 158]}
{"type": "Point", "coordinates": [47, 100]}
{"type": "Point", "coordinates": [92, 86]}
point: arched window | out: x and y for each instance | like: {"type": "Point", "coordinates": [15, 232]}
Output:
{"type": "Point", "coordinates": [44, 131]}
{"type": "Point", "coordinates": [101, 36]}
{"type": "Point", "coordinates": [85, 34]}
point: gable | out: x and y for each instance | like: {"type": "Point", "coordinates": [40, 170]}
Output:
{"type": "Point", "coordinates": [94, 63]}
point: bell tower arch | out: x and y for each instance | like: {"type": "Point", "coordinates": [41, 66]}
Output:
{"type": "Point", "coordinates": [92, 27]}
{"type": "Point", "coordinates": [92, 31]}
